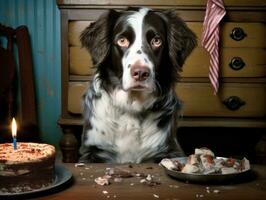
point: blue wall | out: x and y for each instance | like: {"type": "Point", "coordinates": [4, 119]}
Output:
{"type": "Point", "coordinates": [42, 18]}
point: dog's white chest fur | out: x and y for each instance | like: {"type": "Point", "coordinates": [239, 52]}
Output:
{"type": "Point", "coordinates": [117, 129]}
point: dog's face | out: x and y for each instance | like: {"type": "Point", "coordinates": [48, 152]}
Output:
{"type": "Point", "coordinates": [139, 49]}
{"type": "Point", "coordinates": [138, 44]}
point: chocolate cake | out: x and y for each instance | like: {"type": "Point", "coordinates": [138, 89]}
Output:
{"type": "Point", "coordinates": [29, 167]}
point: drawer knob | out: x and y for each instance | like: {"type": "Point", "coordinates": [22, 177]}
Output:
{"type": "Point", "coordinates": [237, 63]}
{"type": "Point", "coordinates": [238, 34]}
{"type": "Point", "coordinates": [233, 103]}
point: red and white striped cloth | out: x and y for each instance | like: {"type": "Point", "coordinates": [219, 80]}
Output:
{"type": "Point", "coordinates": [215, 11]}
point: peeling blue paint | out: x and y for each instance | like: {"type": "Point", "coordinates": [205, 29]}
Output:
{"type": "Point", "coordinates": [42, 18]}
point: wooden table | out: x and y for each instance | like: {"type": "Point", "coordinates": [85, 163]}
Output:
{"type": "Point", "coordinates": [84, 187]}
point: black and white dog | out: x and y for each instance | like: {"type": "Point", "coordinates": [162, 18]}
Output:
{"type": "Point", "coordinates": [130, 109]}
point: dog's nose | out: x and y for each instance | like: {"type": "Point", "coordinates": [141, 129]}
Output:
{"type": "Point", "coordinates": [140, 72]}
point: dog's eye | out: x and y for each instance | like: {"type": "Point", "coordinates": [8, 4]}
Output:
{"type": "Point", "coordinates": [156, 42]}
{"type": "Point", "coordinates": [123, 42]}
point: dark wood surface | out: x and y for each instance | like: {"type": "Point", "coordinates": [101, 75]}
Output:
{"type": "Point", "coordinates": [84, 187]}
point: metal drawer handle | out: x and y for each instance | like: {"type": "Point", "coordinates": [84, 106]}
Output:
{"type": "Point", "coordinates": [237, 63]}
{"type": "Point", "coordinates": [233, 103]}
{"type": "Point", "coordinates": [238, 34]}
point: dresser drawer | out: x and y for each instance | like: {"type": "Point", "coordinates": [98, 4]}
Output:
{"type": "Point", "coordinates": [234, 62]}
{"type": "Point", "coordinates": [199, 100]}
{"type": "Point", "coordinates": [236, 34]}
{"type": "Point", "coordinates": [254, 33]}
{"type": "Point", "coordinates": [80, 62]}
{"type": "Point", "coordinates": [75, 94]}
{"type": "Point", "coordinates": [197, 64]}
{"type": "Point", "coordinates": [75, 28]}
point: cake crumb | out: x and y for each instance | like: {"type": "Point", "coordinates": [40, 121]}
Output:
{"type": "Point", "coordinates": [79, 164]}
{"type": "Point", "coordinates": [149, 178]}
{"type": "Point", "coordinates": [118, 180]}
{"type": "Point", "coordinates": [105, 192]}
{"type": "Point", "coordinates": [216, 191]}
{"type": "Point", "coordinates": [199, 195]}
{"type": "Point", "coordinates": [102, 181]}
{"type": "Point", "coordinates": [143, 180]}
{"type": "Point", "coordinates": [173, 186]}
{"type": "Point", "coordinates": [156, 196]}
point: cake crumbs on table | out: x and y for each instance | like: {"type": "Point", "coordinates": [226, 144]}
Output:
{"type": "Point", "coordinates": [149, 177]}
{"type": "Point", "coordinates": [142, 180]}
{"type": "Point", "coordinates": [174, 186]}
{"type": "Point", "coordinates": [116, 175]}
{"type": "Point", "coordinates": [199, 195]}
{"type": "Point", "coordinates": [105, 192]}
{"type": "Point", "coordinates": [79, 164]}
{"type": "Point", "coordinates": [156, 196]}
{"type": "Point", "coordinates": [216, 191]}
{"type": "Point", "coordinates": [102, 181]}
{"type": "Point", "coordinates": [118, 180]}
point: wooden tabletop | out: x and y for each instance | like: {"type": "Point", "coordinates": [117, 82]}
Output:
{"type": "Point", "coordinates": [84, 186]}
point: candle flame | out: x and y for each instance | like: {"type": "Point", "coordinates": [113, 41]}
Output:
{"type": "Point", "coordinates": [14, 128]}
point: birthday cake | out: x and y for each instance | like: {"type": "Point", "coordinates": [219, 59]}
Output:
{"type": "Point", "coordinates": [28, 168]}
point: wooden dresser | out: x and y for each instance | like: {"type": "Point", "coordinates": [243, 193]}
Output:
{"type": "Point", "coordinates": [241, 101]}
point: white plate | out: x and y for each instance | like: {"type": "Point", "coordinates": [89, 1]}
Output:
{"type": "Point", "coordinates": [208, 178]}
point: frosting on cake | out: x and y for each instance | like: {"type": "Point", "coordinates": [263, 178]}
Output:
{"type": "Point", "coordinates": [26, 152]}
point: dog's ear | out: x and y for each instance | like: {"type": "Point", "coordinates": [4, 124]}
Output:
{"type": "Point", "coordinates": [97, 37]}
{"type": "Point", "coordinates": [181, 40]}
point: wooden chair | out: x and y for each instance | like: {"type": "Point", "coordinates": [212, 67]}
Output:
{"type": "Point", "coordinates": [25, 111]}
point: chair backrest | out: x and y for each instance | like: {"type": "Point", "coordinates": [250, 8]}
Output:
{"type": "Point", "coordinates": [7, 75]}
{"type": "Point", "coordinates": [9, 79]}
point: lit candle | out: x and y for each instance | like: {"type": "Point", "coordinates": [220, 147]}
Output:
{"type": "Point", "coordinates": [14, 133]}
